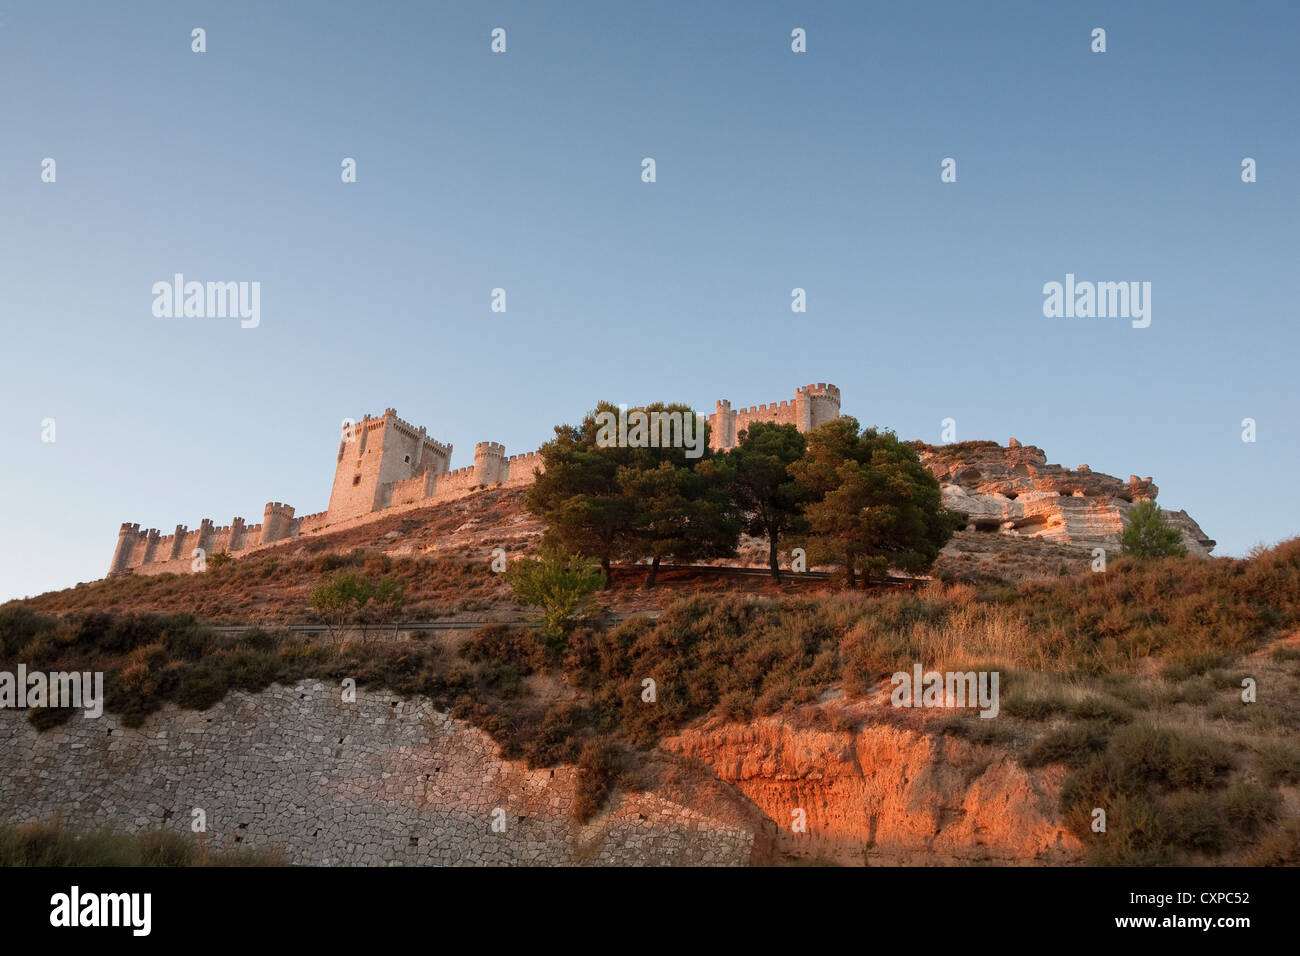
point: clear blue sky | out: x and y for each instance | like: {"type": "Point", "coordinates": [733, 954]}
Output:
{"type": "Point", "coordinates": [522, 171]}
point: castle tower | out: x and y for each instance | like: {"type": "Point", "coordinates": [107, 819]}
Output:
{"type": "Point", "coordinates": [373, 455]}
{"type": "Point", "coordinates": [816, 405]}
{"type": "Point", "coordinates": [277, 522]}
{"type": "Point", "coordinates": [489, 463]}
{"type": "Point", "coordinates": [127, 535]}
{"type": "Point", "coordinates": [722, 426]}
{"type": "Point", "coordinates": [178, 542]}
{"type": "Point", "coordinates": [208, 533]}
{"type": "Point", "coordinates": [151, 538]}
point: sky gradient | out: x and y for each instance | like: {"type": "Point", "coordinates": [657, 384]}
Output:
{"type": "Point", "coordinates": [522, 170]}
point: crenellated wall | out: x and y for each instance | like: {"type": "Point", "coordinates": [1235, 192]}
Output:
{"type": "Point", "coordinates": [811, 406]}
{"type": "Point", "coordinates": [385, 463]}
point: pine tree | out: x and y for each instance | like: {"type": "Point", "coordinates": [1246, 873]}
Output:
{"type": "Point", "coordinates": [1148, 535]}
{"type": "Point", "coordinates": [874, 505]}
{"type": "Point", "coordinates": [762, 488]}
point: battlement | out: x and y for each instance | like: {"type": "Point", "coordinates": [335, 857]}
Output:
{"type": "Point", "coordinates": [385, 462]}
{"type": "Point", "coordinates": [812, 405]}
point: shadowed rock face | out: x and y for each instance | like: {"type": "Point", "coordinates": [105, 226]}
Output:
{"type": "Point", "coordinates": [1013, 489]}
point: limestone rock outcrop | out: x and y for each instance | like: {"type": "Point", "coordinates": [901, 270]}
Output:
{"type": "Point", "coordinates": [1014, 490]}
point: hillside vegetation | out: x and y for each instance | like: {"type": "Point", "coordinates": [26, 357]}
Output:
{"type": "Point", "coordinates": [1130, 678]}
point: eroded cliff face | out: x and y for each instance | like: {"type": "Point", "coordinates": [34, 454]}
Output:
{"type": "Point", "coordinates": [894, 791]}
{"type": "Point", "coordinates": [390, 781]}
{"type": "Point", "coordinates": [1014, 490]}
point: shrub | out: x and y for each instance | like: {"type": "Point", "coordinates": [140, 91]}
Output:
{"type": "Point", "coordinates": [1169, 759]}
{"type": "Point", "coordinates": [1033, 708]}
{"type": "Point", "coordinates": [1279, 848]}
{"type": "Point", "coordinates": [47, 718]}
{"type": "Point", "coordinates": [1130, 781]}
{"type": "Point", "coordinates": [339, 600]}
{"type": "Point", "coordinates": [1136, 833]}
{"type": "Point", "coordinates": [1278, 762]}
{"type": "Point", "coordinates": [1100, 709]}
{"type": "Point", "coordinates": [977, 730]}
{"type": "Point", "coordinates": [51, 844]}
{"type": "Point", "coordinates": [333, 561]}
{"type": "Point", "coordinates": [1195, 822]}
{"type": "Point", "coordinates": [597, 764]}
{"type": "Point", "coordinates": [20, 625]}
{"type": "Point", "coordinates": [560, 585]}
{"type": "Point", "coordinates": [555, 738]}
{"type": "Point", "coordinates": [221, 559]}
{"type": "Point", "coordinates": [165, 848]}
{"type": "Point", "coordinates": [1248, 807]}
{"type": "Point", "coordinates": [500, 642]}
{"type": "Point", "coordinates": [1072, 746]}
{"type": "Point", "coordinates": [1148, 535]}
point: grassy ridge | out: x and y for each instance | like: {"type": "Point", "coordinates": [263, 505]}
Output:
{"type": "Point", "coordinates": [1119, 676]}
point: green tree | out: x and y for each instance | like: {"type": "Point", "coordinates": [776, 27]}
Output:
{"type": "Point", "coordinates": [389, 600]}
{"type": "Point", "coordinates": [873, 504]}
{"type": "Point", "coordinates": [560, 585]}
{"type": "Point", "coordinates": [1148, 535]}
{"type": "Point", "coordinates": [632, 500]}
{"type": "Point", "coordinates": [678, 497]}
{"type": "Point", "coordinates": [219, 560]}
{"type": "Point", "coordinates": [340, 600]}
{"type": "Point", "coordinates": [762, 488]}
{"type": "Point", "coordinates": [577, 493]}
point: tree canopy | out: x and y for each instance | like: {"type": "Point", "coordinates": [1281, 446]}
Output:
{"type": "Point", "coordinates": [873, 504]}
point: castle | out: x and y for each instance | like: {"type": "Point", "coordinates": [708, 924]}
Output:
{"type": "Point", "coordinates": [386, 464]}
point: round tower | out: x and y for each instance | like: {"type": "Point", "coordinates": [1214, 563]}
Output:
{"type": "Point", "coordinates": [127, 536]}
{"type": "Point", "coordinates": [489, 463]}
{"type": "Point", "coordinates": [276, 521]}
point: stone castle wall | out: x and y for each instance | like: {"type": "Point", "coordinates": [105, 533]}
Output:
{"type": "Point", "coordinates": [386, 463]}
{"type": "Point", "coordinates": [812, 405]}
{"type": "Point", "coordinates": [382, 780]}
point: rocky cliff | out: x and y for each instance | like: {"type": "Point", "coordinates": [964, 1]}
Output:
{"type": "Point", "coordinates": [386, 780]}
{"type": "Point", "coordinates": [1012, 489]}
{"type": "Point", "coordinates": [887, 790]}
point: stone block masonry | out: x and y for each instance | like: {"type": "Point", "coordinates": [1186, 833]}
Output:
{"type": "Point", "coordinates": [385, 463]}
{"type": "Point", "coordinates": [379, 781]}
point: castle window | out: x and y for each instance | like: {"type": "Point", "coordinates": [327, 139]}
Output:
{"type": "Point", "coordinates": [356, 480]}
{"type": "Point", "coordinates": [407, 459]}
